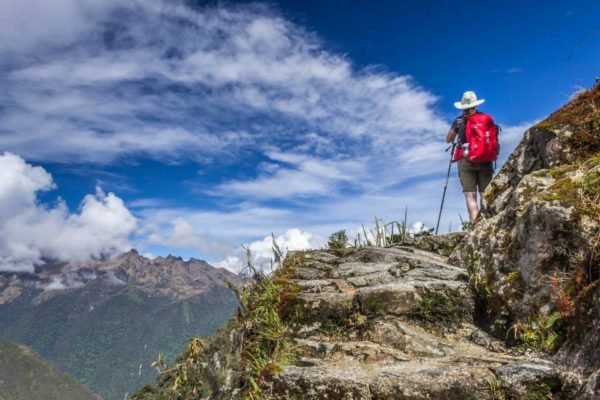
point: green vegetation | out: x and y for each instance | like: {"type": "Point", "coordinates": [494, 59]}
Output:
{"type": "Point", "coordinates": [265, 345]}
{"type": "Point", "coordinates": [582, 116]}
{"type": "Point", "coordinates": [105, 346]}
{"type": "Point", "coordinates": [381, 235]}
{"type": "Point", "coordinates": [465, 224]}
{"type": "Point", "coordinates": [26, 376]}
{"type": "Point", "coordinates": [591, 179]}
{"type": "Point", "coordinates": [541, 392]}
{"type": "Point", "coordinates": [495, 388]}
{"type": "Point", "coordinates": [540, 333]}
{"type": "Point", "coordinates": [338, 240]}
{"type": "Point", "coordinates": [245, 353]}
{"type": "Point", "coordinates": [186, 374]}
{"type": "Point", "coordinates": [436, 307]}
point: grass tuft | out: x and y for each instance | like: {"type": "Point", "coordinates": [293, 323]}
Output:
{"type": "Point", "coordinates": [265, 345]}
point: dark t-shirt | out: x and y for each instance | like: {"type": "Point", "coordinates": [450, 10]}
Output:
{"type": "Point", "coordinates": [458, 126]}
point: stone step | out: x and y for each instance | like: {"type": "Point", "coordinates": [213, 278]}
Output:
{"type": "Point", "coordinates": [413, 380]}
{"type": "Point", "coordinates": [356, 350]}
{"type": "Point", "coordinates": [434, 299]}
{"type": "Point", "coordinates": [431, 298]}
{"type": "Point", "coordinates": [374, 264]}
{"type": "Point", "coordinates": [393, 338]}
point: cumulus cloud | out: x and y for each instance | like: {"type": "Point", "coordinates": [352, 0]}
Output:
{"type": "Point", "coordinates": [262, 250]}
{"type": "Point", "coordinates": [248, 221]}
{"type": "Point", "coordinates": [181, 234]}
{"type": "Point", "coordinates": [31, 232]}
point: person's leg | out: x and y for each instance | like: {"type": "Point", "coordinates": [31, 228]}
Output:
{"type": "Point", "coordinates": [472, 206]}
{"type": "Point", "coordinates": [468, 180]}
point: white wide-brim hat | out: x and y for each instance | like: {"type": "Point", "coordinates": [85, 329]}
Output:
{"type": "Point", "coordinates": [469, 100]}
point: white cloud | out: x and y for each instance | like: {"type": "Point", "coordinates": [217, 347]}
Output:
{"type": "Point", "coordinates": [181, 234]}
{"type": "Point", "coordinates": [103, 87]}
{"type": "Point", "coordinates": [19, 184]}
{"type": "Point", "coordinates": [262, 250]}
{"type": "Point", "coordinates": [297, 175]}
{"type": "Point", "coordinates": [31, 232]}
{"type": "Point", "coordinates": [94, 81]}
{"type": "Point", "coordinates": [28, 25]}
{"type": "Point", "coordinates": [384, 192]}
{"type": "Point", "coordinates": [248, 221]}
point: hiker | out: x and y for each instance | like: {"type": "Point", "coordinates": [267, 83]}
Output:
{"type": "Point", "coordinates": [476, 149]}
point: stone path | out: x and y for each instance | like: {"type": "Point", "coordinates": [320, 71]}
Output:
{"type": "Point", "coordinates": [394, 323]}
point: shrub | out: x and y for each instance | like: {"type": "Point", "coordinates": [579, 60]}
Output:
{"type": "Point", "coordinates": [338, 240]}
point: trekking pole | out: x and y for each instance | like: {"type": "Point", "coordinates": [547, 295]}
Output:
{"type": "Point", "coordinates": [446, 186]}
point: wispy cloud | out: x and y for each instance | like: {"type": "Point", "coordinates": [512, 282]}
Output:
{"type": "Point", "coordinates": [96, 82]}
{"type": "Point", "coordinates": [163, 80]}
{"type": "Point", "coordinates": [291, 174]}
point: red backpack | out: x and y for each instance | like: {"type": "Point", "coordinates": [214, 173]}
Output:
{"type": "Point", "coordinates": [481, 135]}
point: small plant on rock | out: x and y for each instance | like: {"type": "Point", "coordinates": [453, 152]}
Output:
{"type": "Point", "coordinates": [540, 332]}
{"type": "Point", "coordinates": [186, 373]}
{"type": "Point", "coordinates": [465, 224]}
{"type": "Point", "coordinates": [495, 388]}
{"type": "Point", "coordinates": [541, 392]}
{"type": "Point", "coordinates": [338, 240]}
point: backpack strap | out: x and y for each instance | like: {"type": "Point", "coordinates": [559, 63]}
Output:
{"type": "Point", "coordinates": [459, 125]}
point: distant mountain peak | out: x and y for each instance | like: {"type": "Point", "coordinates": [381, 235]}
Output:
{"type": "Point", "coordinates": [131, 252]}
{"type": "Point", "coordinates": [170, 276]}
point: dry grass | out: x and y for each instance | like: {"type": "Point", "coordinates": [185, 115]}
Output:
{"type": "Point", "coordinates": [582, 115]}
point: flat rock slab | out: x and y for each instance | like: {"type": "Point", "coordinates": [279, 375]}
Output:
{"type": "Point", "coordinates": [296, 383]}
{"type": "Point", "coordinates": [436, 382]}
{"type": "Point", "coordinates": [523, 377]}
{"type": "Point", "coordinates": [393, 324]}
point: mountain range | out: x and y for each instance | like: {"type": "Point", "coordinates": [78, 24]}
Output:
{"type": "Point", "coordinates": [105, 321]}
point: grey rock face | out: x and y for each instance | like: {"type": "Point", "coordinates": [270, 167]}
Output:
{"type": "Point", "coordinates": [392, 323]}
{"type": "Point", "coordinates": [521, 378]}
{"type": "Point", "coordinates": [535, 246]}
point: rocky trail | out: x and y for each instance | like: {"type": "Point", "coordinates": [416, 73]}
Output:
{"type": "Point", "coordinates": [395, 323]}
{"type": "Point", "coordinates": [410, 321]}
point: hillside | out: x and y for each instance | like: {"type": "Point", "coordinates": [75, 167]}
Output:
{"type": "Point", "coordinates": [513, 313]}
{"type": "Point", "coordinates": [24, 375]}
{"type": "Point", "coordinates": [536, 249]}
{"type": "Point", "coordinates": [105, 322]}
{"type": "Point", "coordinates": [366, 323]}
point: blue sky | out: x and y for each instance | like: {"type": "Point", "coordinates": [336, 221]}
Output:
{"type": "Point", "coordinates": [216, 125]}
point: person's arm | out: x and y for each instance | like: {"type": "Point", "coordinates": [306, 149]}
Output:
{"type": "Point", "coordinates": [453, 131]}
{"type": "Point", "coordinates": [451, 135]}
